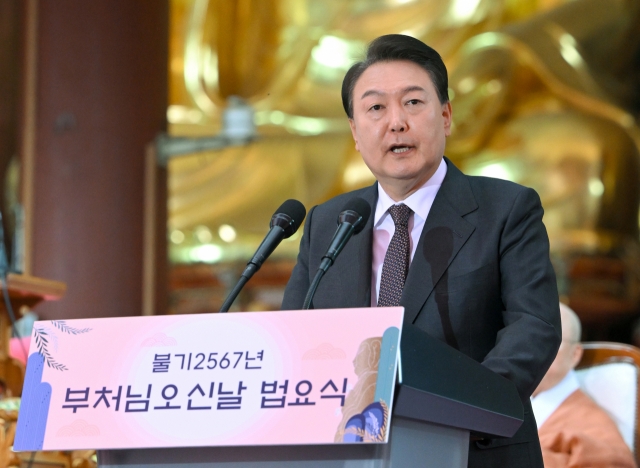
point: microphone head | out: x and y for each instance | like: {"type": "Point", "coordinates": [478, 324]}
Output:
{"type": "Point", "coordinates": [289, 217]}
{"type": "Point", "coordinates": [355, 212]}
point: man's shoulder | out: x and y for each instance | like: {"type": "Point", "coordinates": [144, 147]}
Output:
{"type": "Point", "coordinates": [488, 192]}
{"type": "Point", "coordinates": [492, 186]}
{"type": "Point", "coordinates": [499, 195]}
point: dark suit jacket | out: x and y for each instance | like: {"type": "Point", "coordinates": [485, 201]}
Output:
{"type": "Point", "coordinates": [481, 281]}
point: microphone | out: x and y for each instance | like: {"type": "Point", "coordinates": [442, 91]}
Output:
{"type": "Point", "coordinates": [351, 220]}
{"type": "Point", "coordinates": [284, 223]}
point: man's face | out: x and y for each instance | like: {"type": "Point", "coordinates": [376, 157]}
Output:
{"type": "Point", "coordinates": [398, 124]}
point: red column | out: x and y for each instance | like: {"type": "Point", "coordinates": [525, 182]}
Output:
{"type": "Point", "coordinates": [100, 94]}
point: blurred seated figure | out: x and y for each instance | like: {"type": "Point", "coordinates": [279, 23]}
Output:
{"type": "Point", "coordinates": [574, 431]}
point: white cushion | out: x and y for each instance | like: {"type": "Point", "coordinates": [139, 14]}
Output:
{"type": "Point", "coordinates": [614, 387]}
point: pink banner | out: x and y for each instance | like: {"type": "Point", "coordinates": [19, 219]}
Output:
{"type": "Point", "coordinates": [301, 377]}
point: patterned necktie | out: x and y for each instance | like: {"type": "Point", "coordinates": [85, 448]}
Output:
{"type": "Point", "coordinates": [396, 260]}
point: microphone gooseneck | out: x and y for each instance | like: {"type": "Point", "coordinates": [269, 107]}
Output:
{"type": "Point", "coordinates": [284, 223]}
{"type": "Point", "coordinates": [351, 220]}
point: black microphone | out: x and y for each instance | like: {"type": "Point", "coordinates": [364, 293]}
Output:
{"type": "Point", "coordinates": [284, 223]}
{"type": "Point", "coordinates": [351, 220]}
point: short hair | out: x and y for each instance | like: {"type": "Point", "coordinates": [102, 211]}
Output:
{"type": "Point", "coordinates": [395, 47]}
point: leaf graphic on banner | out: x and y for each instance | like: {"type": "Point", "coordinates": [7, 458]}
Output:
{"type": "Point", "coordinates": [62, 326]}
{"type": "Point", "coordinates": [42, 344]}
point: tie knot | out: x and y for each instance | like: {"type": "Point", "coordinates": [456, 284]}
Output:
{"type": "Point", "coordinates": [400, 214]}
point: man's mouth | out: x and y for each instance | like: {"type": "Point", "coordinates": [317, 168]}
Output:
{"type": "Point", "coordinates": [400, 149]}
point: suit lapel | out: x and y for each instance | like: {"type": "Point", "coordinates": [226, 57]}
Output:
{"type": "Point", "coordinates": [445, 232]}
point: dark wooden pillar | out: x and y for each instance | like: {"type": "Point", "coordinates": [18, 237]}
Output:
{"type": "Point", "coordinates": [99, 97]}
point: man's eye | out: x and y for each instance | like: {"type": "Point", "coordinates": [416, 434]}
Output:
{"type": "Point", "coordinates": [413, 102]}
{"type": "Point", "coordinates": [376, 107]}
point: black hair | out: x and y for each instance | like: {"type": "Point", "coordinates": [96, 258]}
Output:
{"type": "Point", "coordinates": [393, 47]}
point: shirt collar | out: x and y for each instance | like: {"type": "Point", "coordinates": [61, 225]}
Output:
{"type": "Point", "coordinates": [419, 201]}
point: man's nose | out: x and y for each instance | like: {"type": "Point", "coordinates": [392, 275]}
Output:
{"type": "Point", "coordinates": [398, 122]}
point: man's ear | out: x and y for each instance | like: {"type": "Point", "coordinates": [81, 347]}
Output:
{"type": "Point", "coordinates": [447, 116]}
{"type": "Point", "coordinates": [352, 125]}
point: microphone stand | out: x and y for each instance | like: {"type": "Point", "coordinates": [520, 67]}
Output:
{"type": "Point", "coordinates": [284, 223]}
{"type": "Point", "coordinates": [234, 293]}
{"type": "Point", "coordinates": [349, 222]}
{"type": "Point", "coordinates": [274, 237]}
{"type": "Point", "coordinates": [312, 289]}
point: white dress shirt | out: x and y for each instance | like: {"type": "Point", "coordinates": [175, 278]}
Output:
{"type": "Point", "coordinates": [383, 227]}
{"type": "Point", "coordinates": [545, 403]}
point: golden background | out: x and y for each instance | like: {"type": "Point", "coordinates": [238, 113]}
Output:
{"type": "Point", "coordinates": [544, 93]}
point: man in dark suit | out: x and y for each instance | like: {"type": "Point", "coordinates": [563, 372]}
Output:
{"type": "Point", "coordinates": [468, 257]}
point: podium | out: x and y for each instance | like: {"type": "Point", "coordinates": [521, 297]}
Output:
{"type": "Point", "coordinates": [442, 397]}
